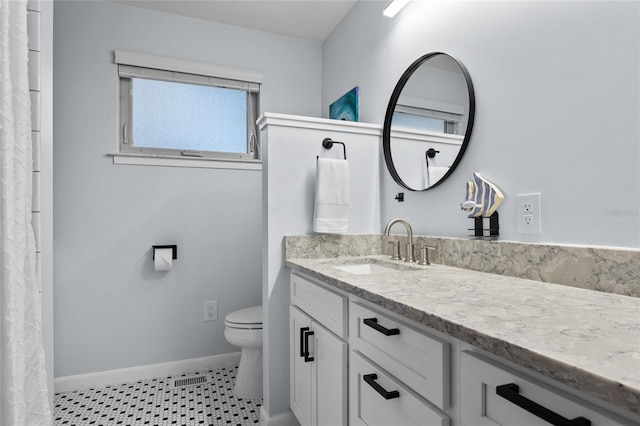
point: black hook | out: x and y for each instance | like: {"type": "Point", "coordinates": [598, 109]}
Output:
{"type": "Point", "coordinates": [327, 143]}
{"type": "Point", "coordinates": [432, 152]}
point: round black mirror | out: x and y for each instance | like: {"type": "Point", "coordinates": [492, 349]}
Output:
{"type": "Point", "coordinates": [428, 122]}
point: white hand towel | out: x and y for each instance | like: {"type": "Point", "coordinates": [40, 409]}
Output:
{"type": "Point", "coordinates": [331, 214]}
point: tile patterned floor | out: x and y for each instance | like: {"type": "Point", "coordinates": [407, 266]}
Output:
{"type": "Point", "coordinates": [152, 402]}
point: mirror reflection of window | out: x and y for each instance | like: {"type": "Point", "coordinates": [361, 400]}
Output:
{"type": "Point", "coordinates": [427, 120]}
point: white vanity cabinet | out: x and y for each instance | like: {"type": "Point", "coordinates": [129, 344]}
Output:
{"type": "Point", "coordinates": [385, 354]}
{"type": "Point", "coordinates": [318, 357]}
{"type": "Point", "coordinates": [493, 394]}
{"type": "Point", "coordinates": [374, 367]}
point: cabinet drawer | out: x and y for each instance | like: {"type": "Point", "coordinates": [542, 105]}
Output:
{"type": "Point", "coordinates": [482, 406]}
{"type": "Point", "coordinates": [367, 406]}
{"type": "Point", "coordinates": [323, 305]}
{"type": "Point", "coordinates": [415, 358]}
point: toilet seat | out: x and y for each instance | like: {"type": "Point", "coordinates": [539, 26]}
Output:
{"type": "Point", "coordinates": [248, 318]}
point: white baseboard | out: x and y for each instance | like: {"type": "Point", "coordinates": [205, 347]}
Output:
{"type": "Point", "coordinates": [144, 372]}
{"type": "Point", "coordinates": [283, 419]}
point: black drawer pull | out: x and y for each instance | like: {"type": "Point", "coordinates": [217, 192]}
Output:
{"type": "Point", "coordinates": [302, 330]}
{"type": "Point", "coordinates": [307, 358]}
{"type": "Point", "coordinates": [511, 392]}
{"type": "Point", "coordinates": [373, 323]}
{"type": "Point", "coordinates": [371, 380]}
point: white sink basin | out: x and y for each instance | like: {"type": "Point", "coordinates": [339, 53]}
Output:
{"type": "Point", "coordinates": [370, 266]}
{"type": "Point", "coordinates": [365, 269]}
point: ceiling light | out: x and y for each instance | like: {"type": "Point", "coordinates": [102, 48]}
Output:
{"type": "Point", "coordinates": [394, 7]}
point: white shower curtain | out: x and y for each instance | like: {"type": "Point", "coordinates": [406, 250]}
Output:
{"type": "Point", "coordinates": [23, 380]}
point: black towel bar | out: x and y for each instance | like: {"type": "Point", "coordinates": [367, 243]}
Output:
{"type": "Point", "coordinates": [327, 143]}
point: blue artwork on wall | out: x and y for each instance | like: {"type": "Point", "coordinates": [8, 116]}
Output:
{"type": "Point", "coordinates": [346, 107]}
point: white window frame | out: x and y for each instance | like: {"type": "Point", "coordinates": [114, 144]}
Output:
{"type": "Point", "coordinates": [140, 65]}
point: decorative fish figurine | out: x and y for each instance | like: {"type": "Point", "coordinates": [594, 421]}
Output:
{"type": "Point", "coordinates": [482, 198]}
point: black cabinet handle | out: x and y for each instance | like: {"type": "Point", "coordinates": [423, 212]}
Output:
{"type": "Point", "coordinates": [373, 323]}
{"type": "Point", "coordinates": [371, 381]}
{"type": "Point", "coordinates": [511, 392]}
{"type": "Point", "coordinates": [302, 330]}
{"type": "Point", "coordinates": [307, 358]}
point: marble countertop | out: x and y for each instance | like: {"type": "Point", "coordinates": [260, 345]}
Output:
{"type": "Point", "coordinates": [585, 339]}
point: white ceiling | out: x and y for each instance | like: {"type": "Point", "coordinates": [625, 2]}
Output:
{"type": "Point", "coordinates": [306, 19]}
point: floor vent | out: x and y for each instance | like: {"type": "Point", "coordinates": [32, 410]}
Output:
{"type": "Point", "coordinates": [188, 381]}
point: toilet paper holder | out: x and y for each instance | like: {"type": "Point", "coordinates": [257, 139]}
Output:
{"type": "Point", "coordinates": [173, 247]}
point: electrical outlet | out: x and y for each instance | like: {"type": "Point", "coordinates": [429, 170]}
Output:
{"type": "Point", "coordinates": [529, 214]}
{"type": "Point", "coordinates": [211, 310]}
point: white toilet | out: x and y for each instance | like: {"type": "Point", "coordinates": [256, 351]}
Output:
{"type": "Point", "coordinates": [244, 329]}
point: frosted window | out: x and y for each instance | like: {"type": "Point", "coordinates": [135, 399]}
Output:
{"type": "Point", "coordinates": [170, 115]}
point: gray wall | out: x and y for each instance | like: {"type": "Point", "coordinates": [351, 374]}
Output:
{"type": "Point", "coordinates": [111, 309]}
{"type": "Point", "coordinates": [557, 107]}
